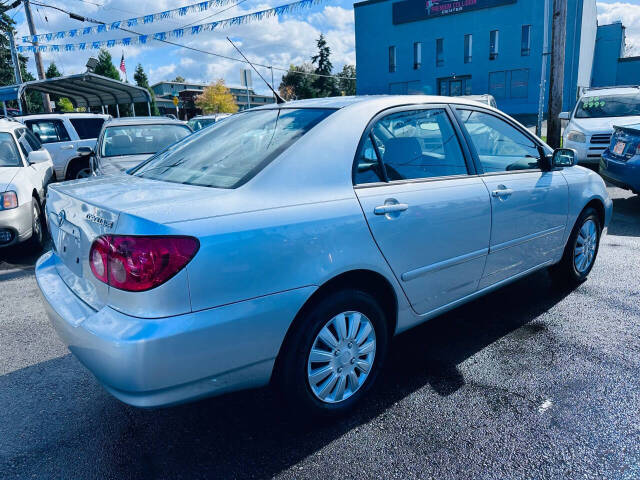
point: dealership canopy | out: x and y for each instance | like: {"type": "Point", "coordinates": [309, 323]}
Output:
{"type": "Point", "coordinates": [84, 90]}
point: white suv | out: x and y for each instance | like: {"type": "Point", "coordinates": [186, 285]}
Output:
{"type": "Point", "coordinates": [592, 120]}
{"type": "Point", "coordinates": [62, 134]}
{"type": "Point", "coordinates": [25, 172]}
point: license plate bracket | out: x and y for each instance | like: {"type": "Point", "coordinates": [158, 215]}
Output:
{"type": "Point", "coordinates": [68, 248]}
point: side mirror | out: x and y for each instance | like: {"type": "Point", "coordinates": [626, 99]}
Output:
{"type": "Point", "coordinates": [38, 156]}
{"type": "Point", "coordinates": [564, 116]}
{"type": "Point", "coordinates": [564, 157]}
{"type": "Point", "coordinates": [85, 151]}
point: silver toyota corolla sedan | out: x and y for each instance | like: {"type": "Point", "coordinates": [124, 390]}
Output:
{"type": "Point", "coordinates": [289, 243]}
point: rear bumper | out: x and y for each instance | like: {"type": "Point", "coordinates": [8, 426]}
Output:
{"type": "Point", "coordinates": [160, 362]}
{"type": "Point", "coordinates": [19, 222]}
{"type": "Point", "coordinates": [624, 175]}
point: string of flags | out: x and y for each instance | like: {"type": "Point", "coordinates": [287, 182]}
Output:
{"type": "Point", "coordinates": [175, 33]}
{"type": "Point", "coordinates": [129, 22]}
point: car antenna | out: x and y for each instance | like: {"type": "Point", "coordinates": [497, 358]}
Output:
{"type": "Point", "coordinates": [279, 99]}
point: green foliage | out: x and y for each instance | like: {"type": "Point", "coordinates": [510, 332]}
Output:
{"type": "Point", "coordinates": [295, 85]}
{"type": "Point", "coordinates": [179, 79]}
{"type": "Point", "coordinates": [105, 66]}
{"type": "Point", "coordinates": [52, 71]}
{"type": "Point", "coordinates": [64, 105]}
{"type": "Point", "coordinates": [345, 85]}
{"type": "Point", "coordinates": [325, 86]}
{"type": "Point", "coordinates": [142, 80]}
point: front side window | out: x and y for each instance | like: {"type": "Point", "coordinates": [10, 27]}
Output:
{"type": "Point", "coordinates": [500, 147]}
{"type": "Point", "coordinates": [608, 106]}
{"type": "Point", "coordinates": [525, 47]}
{"type": "Point", "coordinates": [9, 155]}
{"type": "Point", "coordinates": [417, 144]}
{"type": "Point", "coordinates": [230, 153]}
{"type": "Point", "coordinates": [87, 128]}
{"type": "Point", "coordinates": [140, 139]}
{"type": "Point", "coordinates": [468, 48]}
{"type": "Point", "coordinates": [440, 52]}
{"type": "Point", "coordinates": [493, 44]}
{"type": "Point", "coordinates": [392, 59]}
{"type": "Point", "coordinates": [27, 141]}
{"type": "Point", "coordinates": [417, 55]}
{"type": "Point", "coordinates": [48, 131]}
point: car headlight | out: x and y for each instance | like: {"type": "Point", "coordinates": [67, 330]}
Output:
{"type": "Point", "coordinates": [8, 200]}
{"type": "Point", "coordinates": [577, 137]}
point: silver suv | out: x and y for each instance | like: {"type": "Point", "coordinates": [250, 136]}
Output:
{"type": "Point", "coordinates": [62, 134]}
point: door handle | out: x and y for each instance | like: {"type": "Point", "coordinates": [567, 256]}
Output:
{"type": "Point", "coordinates": [67, 147]}
{"type": "Point", "coordinates": [390, 208]}
{"type": "Point", "coordinates": [502, 192]}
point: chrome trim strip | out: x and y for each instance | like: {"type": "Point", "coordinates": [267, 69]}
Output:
{"type": "Point", "coordinates": [434, 267]}
{"type": "Point", "coordinates": [525, 239]}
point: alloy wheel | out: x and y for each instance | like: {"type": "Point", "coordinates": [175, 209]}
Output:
{"type": "Point", "coordinates": [586, 244]}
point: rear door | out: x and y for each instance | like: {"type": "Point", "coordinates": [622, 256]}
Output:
{"type": "Point", "coordinates": [529, 206]}
{"type": "Point", "coordinates": [429, 216]}
{"type": "Point", "coordinates": [56, 139]}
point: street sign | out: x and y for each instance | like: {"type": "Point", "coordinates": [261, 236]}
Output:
{"type": "Point", "coordinates": [245, 78]}
{"type": "Point", "coordinates": [176, 101]}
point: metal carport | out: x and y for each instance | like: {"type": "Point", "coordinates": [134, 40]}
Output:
{"type": "Point", "coordinates": [84, 90]}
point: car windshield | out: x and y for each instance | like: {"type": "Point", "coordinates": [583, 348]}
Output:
{"type": "Point", "coordinates": [608, 106]}
{"type": "Point", "coordinates": [230, 153]}
{"type": "Point", "coordinates": [140, 139]}
{"type": "Point", "coordinates": [9, 156]}
{"type": "Point", "coordinates": [200, 123]}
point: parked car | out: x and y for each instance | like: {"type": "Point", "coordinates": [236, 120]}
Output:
{"type": "Point", "coordinates": [125, 142]}
{"type": "Point", "coordinates": [620, 162]}
{"type": "Point", "coordinates": [486, 99]}
{"type": "Point", "coordinates": [62, 134]}
{"type": "Point", "coordinates": [289, 242]}
{"type": "Point", "coordinates": [25, 171]}
{"type": "Point", "coordinates": [591, 122]}
{"type": "Point", "coordinates": [201, 121]}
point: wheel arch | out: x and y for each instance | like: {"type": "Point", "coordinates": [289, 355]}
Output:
{"type": "Point", "coordinates": [598, 205]}
{"type": "Point", "coordinates": [72, 162]}
{"type": "Point", "coordinates": [368, 281]}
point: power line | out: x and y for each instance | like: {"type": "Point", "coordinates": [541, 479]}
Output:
{"type": "Point", "coordinates": [82, 18]}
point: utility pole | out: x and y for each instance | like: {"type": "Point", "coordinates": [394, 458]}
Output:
{"type": "Point", "coordinates": [556, 81]}
{"type": "Point", "coordinates": [14, 57]}
{"type": "Point", "coordinates": [543, 70]}
{"type": "Point", "coordinates": [38, 57]}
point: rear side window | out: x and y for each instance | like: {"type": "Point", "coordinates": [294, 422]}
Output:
{"type": "Point", "coordinates": [87, 128]}
{"type": "Point", "coordinates": [48, 131]}
{"type": "Point", "coordinates": [415, 144]}
{"type": "Point", "coordinates": [230, 153]}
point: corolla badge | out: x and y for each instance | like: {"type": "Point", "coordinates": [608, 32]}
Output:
{"type": "Point", "coordinates": [62, 217]}
{"type": "Point", "coordinates": [99, 220]}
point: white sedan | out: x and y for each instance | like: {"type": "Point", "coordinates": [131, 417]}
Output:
{"type": "Point", "coordinates": [25, 171]}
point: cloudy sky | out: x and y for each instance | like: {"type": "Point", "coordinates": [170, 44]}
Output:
{"type": "Point", "coordinates": [277, 42]}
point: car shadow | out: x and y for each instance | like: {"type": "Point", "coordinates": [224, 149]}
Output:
{"type": "Point", "coordinates": [61, 423]}
{"type": "Point", "coordinates": [626, 216]}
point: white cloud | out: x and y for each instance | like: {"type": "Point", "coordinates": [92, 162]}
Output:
{"type": "Point", "coordinates": [629, 15]}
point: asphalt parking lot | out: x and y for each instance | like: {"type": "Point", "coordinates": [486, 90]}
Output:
{"type": "Point", "coordinates": [527, 383]}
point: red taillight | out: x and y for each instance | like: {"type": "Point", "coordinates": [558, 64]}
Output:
{"type": "Point", "coordinates": [136, 264]}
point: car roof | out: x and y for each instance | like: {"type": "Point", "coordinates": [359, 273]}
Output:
{"type": "Point", "coordinates": [384, 101]}
{"type": "Point", "coordinates": [143, 121]}
{"type": "Point", "coordinates": [42, 116]}
{"type": "Point", "coordinates": [594, 92]}
{"type": "Point", "coordinates": [9, 125]}
{"type": "Point", "coordinates": [213, 115]}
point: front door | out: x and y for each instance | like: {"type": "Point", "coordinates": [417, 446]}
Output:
{"type": "Point", "coordinates": [529, 206]}
{"type": "Point", "coordinates": [429, 217]}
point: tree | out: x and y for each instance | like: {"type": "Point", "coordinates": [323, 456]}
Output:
{"type": "Point", "coordinates": [33, 99]}
{"type": "Point", "coordinates": [325, 85]}
{"type": "Point", "coordinates": [345, 84]}
{"type": "Point", "coordinates": [52, 71]}
{"type": "Point", "coordinates": [179, 79]}
{"type": "Point", "coordinates": [142, 80]}
{"type": "Point", "coordinates": [216, 98]}
{"type": "Point", "coordinates": [64, 105]}
{"type": "Point", "coordinates": [296, 84]}
{"type": "Point", "coordinates": [105, 66]}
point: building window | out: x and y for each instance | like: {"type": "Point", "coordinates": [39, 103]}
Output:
{"type": "Point", "coordinates": [392, 59]}
{"type": "Point", "coordinates": [439, 52]}
{"type": "Point", "coordinates": [493, 44]}
{"type": "Point", "coordinates": [525, 48]}
{"type": "Point", "coordinates": [417, 55]}
{"type": "Point", "coordinates": [468, 48]}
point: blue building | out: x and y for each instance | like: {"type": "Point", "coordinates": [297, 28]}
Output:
{"type": "Point", "coordinates": [465, 47]}
{"type": "Point", "coordinates": [611, 66]}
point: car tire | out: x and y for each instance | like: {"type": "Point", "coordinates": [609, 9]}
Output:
{"type": "Point", "coordinates": [575, 266]}
{"type": "Point", "coordinates": [78, 169]}
{"type": "Point", "coordinates": [36, 241]}
{"type": "Point", "coordinates": [352, 370]}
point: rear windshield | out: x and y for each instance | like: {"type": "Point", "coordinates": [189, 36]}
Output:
{"type": "Point", "coordinates": [141, 139]}
{"type": "Point", "coordinates": [9, 156]}
{"type": "Point", "coordinates": [230, 153]}
{"type": "Point", "coordinates": [87, 128]}
{"type": "Point", "coordinates": [608, 106]}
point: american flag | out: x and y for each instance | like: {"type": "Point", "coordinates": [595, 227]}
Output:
{"type": "Point", "coordinates": [123, 66]}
